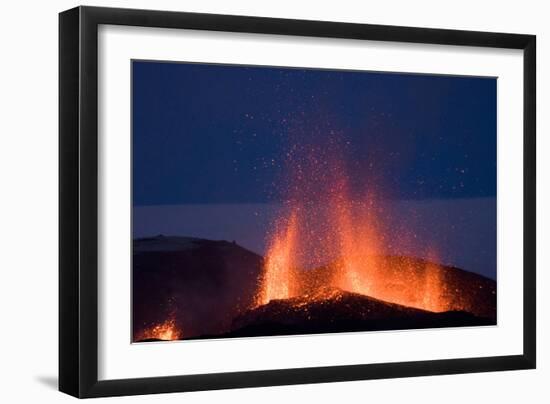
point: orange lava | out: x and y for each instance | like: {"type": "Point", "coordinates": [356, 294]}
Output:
{"type": "Point", "coordinates": [359, 243]}
{"type": "Point", "coordinates": [353, 237]}
{"type": "Point", "coordinates": [279, 282]}
{"type": "Point", "coordinates": [418, 284]}
{"type": "Point", "coordinates": [166, 331]}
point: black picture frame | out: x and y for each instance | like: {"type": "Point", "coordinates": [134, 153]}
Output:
{"type": "Point", "coordinates": [78, 201]}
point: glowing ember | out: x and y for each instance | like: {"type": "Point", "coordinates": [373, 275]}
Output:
{"type": "Point", "coordinates": [166, 331]}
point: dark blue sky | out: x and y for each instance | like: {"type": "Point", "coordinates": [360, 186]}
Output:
{"type": "Point", "coordinates": [218, 133]}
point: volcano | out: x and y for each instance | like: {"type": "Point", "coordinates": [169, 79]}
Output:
{"type": "Point", "coordinates": [189, 288]}
{"type": "Point", "coordinates": [334, 310]}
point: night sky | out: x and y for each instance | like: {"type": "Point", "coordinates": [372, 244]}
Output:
{"type": "Point", "coordinates": [210, 134]}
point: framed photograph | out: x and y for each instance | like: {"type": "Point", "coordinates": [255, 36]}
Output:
{"type": "Point", "coordinates": [251, 201]}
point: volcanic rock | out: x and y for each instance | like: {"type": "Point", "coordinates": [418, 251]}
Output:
{"type": "Point", "coordinates": [335, 310]}
{"type": "Point", "coordinates": [202, 284]}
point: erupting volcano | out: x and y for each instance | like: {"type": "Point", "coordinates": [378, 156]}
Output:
{"type": "Point", "coordinates": [363, 270]}
{"type": "Point", "coordinates": [328, 267]}
{"type": "Point", "coordinates": [282, 201]}
{"type": "Point", "coordinates": [323, 222]}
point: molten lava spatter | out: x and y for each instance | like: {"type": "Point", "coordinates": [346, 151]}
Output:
{"type": "Point", "coordinates": [166, 331]}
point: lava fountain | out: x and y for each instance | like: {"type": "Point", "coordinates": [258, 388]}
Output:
{"type": "Point", "coordinates": [359, 242]}
{"type": "Point", "coordinates": [353, 240]}
{"type": "Point", "coordinates": [279, 279]}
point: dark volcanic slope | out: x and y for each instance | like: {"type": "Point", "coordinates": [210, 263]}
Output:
{"type": "Point", "coordinates": [340, 311]}
{"type": "Point", "coordinates": [203, 283]}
